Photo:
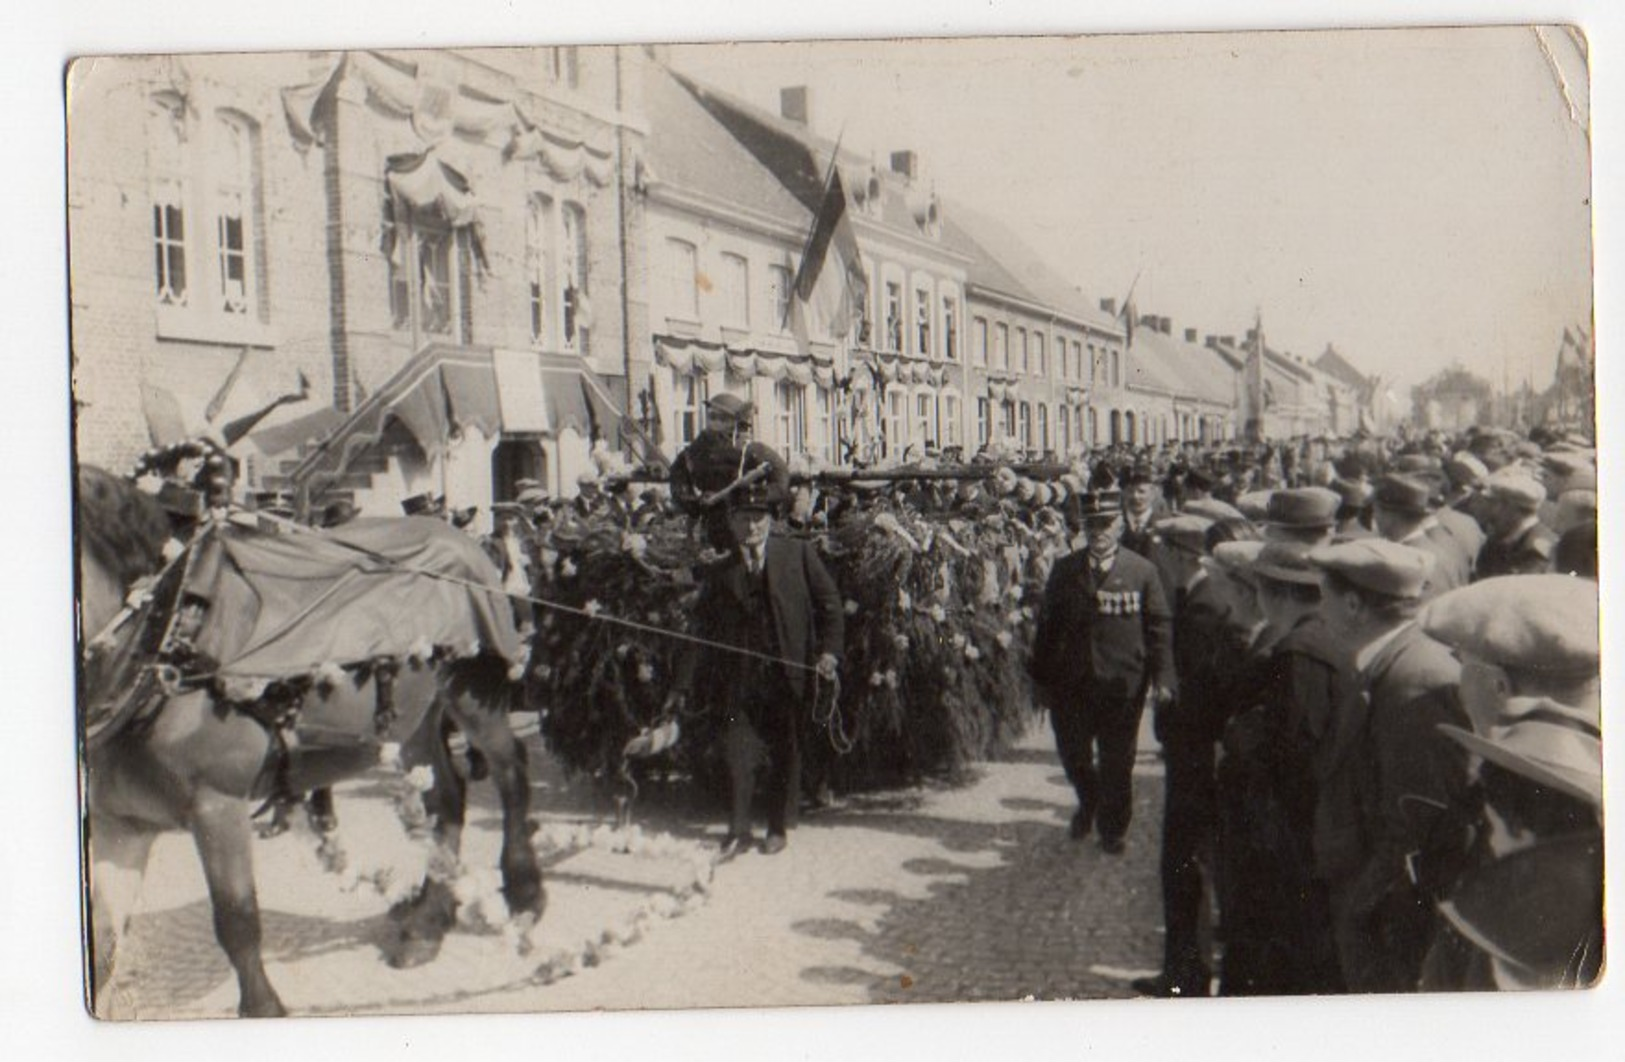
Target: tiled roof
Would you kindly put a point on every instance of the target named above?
(1187, 370)
(690, 149)
(1014, 268)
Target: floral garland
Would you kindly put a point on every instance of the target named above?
(481, 907)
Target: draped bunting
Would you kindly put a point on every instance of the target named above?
(685, 356)
(427, 95)
(426, 183)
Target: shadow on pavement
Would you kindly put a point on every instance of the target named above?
(1052, 919)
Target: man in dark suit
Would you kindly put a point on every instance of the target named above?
(1100, 653)
(773, 598)
(1518, 543)
(1387, 857)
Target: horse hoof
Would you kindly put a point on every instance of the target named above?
(407, 954)
(275, 828)
(323, 824)
(265, 1008)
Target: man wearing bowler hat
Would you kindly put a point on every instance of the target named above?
(1101, 651)
(1305, 515)
(772, 597)
(1398, 771)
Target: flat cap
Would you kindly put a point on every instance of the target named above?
(1404, 494)
(1137, 473)
(1377, 565)
(1516, 486)
(1234, 559)
(1305, 507)
(1521, 622)
(1355, 493)
(1212, 509)
(1464, 469)
(1411, 464)
(1286, 562)
(1185, 532)
(1255, 504)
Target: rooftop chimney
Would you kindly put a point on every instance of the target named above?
(1109, 306)
(1165, 325)
(795, 104)
(906, 163)
(1190, 335)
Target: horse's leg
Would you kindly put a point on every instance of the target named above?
(119, 851)
(422, 923)
(481, 714)
(222, 833)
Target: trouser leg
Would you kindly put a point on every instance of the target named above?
(1074, 744)
(1187, 828)
(1116, 733)
(741, 748)
(784, 772)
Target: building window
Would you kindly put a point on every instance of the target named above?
(577, 309)
(690, 391)
(894, 317)
(1117, 369)
(1020, 352)
(1040, 348)
(950, 329)
(950, 421)
(984, 415)
(1043, 426)
(1007, 419)
(778, 285)
(922, 322)
(682, 281)
(539, 264)
(1077, 360)
(1026, 426)
(1063, 429)
(169, 242)
(979, 341)
(1061, 366)
(789, 416)
(424, 272)
(925, 419)
(824, 426)
(1001, 347)
(896, 423)
(735, 285)
(206, 187)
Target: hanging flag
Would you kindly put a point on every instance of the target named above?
(830, 282)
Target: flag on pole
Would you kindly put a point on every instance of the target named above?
(830, 283)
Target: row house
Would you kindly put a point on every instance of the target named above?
(731, 194)
(1282, 396)
(1037, 347)
(1185, 391)
(429, 243)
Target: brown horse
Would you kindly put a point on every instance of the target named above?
(194, 762)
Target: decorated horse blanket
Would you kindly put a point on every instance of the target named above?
(282, 604)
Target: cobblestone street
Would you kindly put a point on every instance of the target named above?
(930, 894)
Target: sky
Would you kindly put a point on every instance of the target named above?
(1417, 198)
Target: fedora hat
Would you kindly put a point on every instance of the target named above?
(1543, 745)
(1305, 507)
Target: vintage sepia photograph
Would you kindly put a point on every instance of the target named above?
(638, 526)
